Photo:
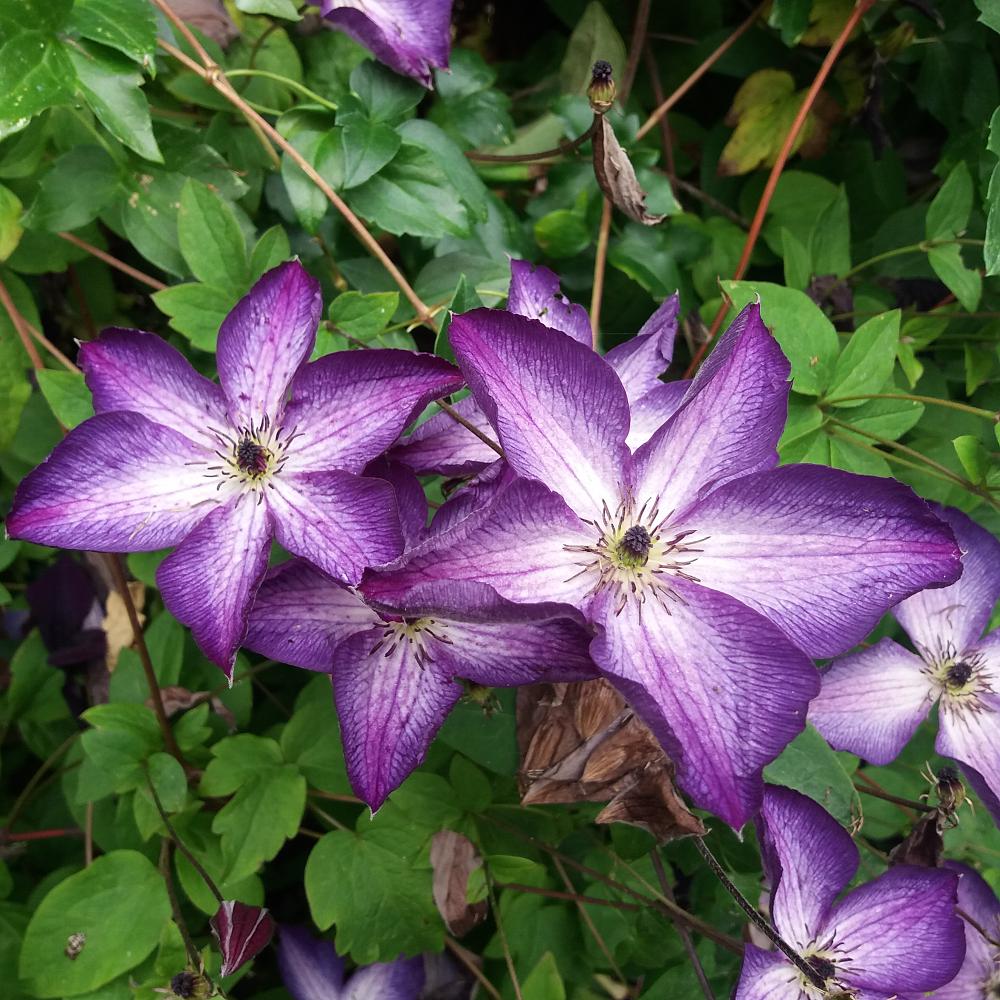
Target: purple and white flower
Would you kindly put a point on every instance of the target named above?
(311, 969)
(242, 931)
(171, 458)
(410, 36)
(897, 936)
(709, 573)
(395, 678)
(442, 446)
(872, 701)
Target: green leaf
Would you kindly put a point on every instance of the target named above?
(991, 250)
(798, 263)
(544, 981)
(948, 214)
(10, 222)
(111, 86)
(809, 766)
(964, 283)
(866, 363)
(806, 336)
(270, 250)
(980, 363)
(35, 691)
(463, 299)
(195, 310)
(273, 8)
(989, 13)
(126, 25)
(974, 457)
(791, 17)
(237, 759)
(595, 37)
(119, 904)
(363, 316)
(319, 758)
(15, 389)
(211, 240)
(68, 396)
(367, 148)
(319, 143)
(149, 217)
(121, 740)
(169, 781)
(35, 74)
(562, 233)
(75, 190)
(384, 95)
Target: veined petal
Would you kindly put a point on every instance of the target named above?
(534, 294)
(341, 522)
(766, 975)
(729, 422)
(399, 980)
(979, 901)
(516, 544)
(208, 583)
(954, 617)
(348, 407)
(872, 702)
(264, 340)
(899, 933)
(242, 932)
(720, 687)
(410, 36)
(116, 483)
(310, 968)
(442, 446)
(970, 733)
(541, 390)
(651, 411)
(822, 553)
(300, 616)
(642, 359)
(411, 500)
(810, 859)
(392, 697)
(473, 496)
(137, 371)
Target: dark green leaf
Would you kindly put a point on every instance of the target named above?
(948, 214)
(149, 217)
(595, 37)
(367, 148)
(195, 310)
(75, 190)
(67, 394)
(269, 251)
(965, 283)
(384, 96)
(211, 240)
(562, 233)
(10, 224)
(363, 316)
(126, 25)
(974, 457)
(791, 17)
(35, 74)
(121, 739)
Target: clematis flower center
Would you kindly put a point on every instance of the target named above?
(958, 674)
(419, 634)
(635, 556)
(251, 457)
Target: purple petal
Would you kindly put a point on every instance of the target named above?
(822, 553)
(310, 968)
(872, 702)
(954, 617)
(208, 583)
(399, 980)
(899, 933)
(411, 501)
(242, 931)
(810, 859)
(132, 370)
(348, 407)
(729, 422)
(300, 616)
(642, 359)
(516, 544)
(410, 36)
(341, 522)
(766, 975)
(978, 900)
(392, 696)
(534, 294)
(653, 410)
(264, 340)
(116, 483)
(541, 390)
(442, 446)
(721, 688)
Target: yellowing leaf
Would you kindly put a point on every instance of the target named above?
(826, 21)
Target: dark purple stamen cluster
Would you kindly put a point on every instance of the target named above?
(823, 968)
(636, 542)
(959, 673)
(602, 71)
(251, 457)
(184, 985)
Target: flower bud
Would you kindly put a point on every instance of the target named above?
(190, 986)
(601, 91)
(243, 931)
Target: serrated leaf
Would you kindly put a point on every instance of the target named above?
(196, 311)
(866, 363)
(75, 190)
(126, 25)
(121, 739)
(211, 240)
(363, 316)
(67, 395)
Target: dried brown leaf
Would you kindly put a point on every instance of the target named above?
(116, 625)
(454, 858)
(582, 743)
(178, 699)
(616, 175)
(209, 17)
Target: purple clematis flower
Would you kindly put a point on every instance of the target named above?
(442, 446)
(242, 932)
(979, 977)
(410, 36)
(219, 470)
(872, 702)
(708, 572)
(312, 970)
(394, 678)
(896, 937)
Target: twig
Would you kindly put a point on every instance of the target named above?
(564, 148)
(194, 959)
(472, 428)
(991, 415)
(503, 935)
(684, 933)
(713, 203)
(114, 262)
(466, 958)
(114, 564)
(573, 897)
(779, 165)
(666, 137)
(636, 45)
(600, 267)
(20, 325)
(88, 835)
(706, 65)
(871, 787)
(29, 835)
(756, 919)
(978, 926)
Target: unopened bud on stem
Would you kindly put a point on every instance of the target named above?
(601, 91)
